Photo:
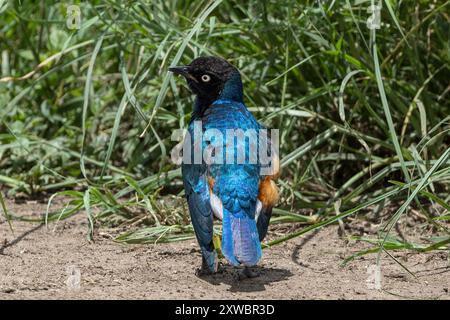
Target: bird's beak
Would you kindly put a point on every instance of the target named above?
(183, 71)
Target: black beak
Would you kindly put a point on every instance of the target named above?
(184, 71)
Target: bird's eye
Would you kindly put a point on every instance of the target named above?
(206, 78)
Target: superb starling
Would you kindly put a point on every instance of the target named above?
(235, 192)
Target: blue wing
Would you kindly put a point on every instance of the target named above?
(197, 195)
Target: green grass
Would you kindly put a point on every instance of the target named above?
(364, 114)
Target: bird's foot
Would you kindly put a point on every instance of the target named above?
(248, 273)
(201, 272)
(204, 270)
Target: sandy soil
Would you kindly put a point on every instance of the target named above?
(46, 263)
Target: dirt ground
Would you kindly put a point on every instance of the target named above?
(59, 263)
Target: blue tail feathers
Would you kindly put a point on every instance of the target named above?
(240, 239)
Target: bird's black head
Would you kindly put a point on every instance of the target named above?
(211, 78)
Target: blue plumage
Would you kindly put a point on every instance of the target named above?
(220, 107)
(236, 185)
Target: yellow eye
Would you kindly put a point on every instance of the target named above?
(206, 78)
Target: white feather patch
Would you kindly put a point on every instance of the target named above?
(216, 206)
(258, 209)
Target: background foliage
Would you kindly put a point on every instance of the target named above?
(87, 114)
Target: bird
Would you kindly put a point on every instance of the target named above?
(236, 193)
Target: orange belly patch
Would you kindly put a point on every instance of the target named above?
(268, 192)
(210, 183)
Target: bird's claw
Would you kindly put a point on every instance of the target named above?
(205, 271)
(201, 272)
(247, 273)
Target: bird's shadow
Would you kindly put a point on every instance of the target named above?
(230, 275)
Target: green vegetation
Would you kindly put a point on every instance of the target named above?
(87, 114)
